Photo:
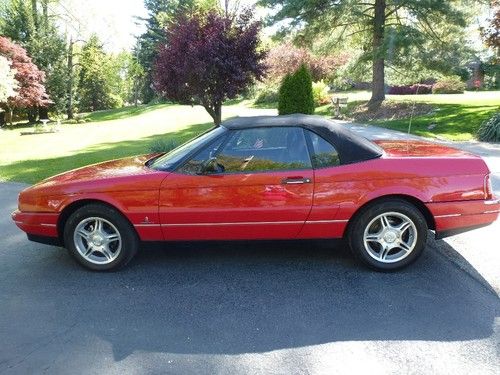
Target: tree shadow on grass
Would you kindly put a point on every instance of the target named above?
(124, 112)
(32, 171)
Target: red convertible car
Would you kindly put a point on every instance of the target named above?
(276, 177)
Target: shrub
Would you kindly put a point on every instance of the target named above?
(451, 85)
(163, 145)
(296, 94)
(417, 88)
(267, 95)
(115, 101)
(286, 58)
(489, 131)
(320, 93)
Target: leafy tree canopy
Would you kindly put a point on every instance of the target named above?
(390, 32)
(208, 59)
(8, 82)
(95, 87)
(160, 13)
(31, 92)
(28, 23)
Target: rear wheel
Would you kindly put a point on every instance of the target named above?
(100, 238)
(388, 235)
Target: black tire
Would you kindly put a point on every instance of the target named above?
(129, 241)
(369, 216)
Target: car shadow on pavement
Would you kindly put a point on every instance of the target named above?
(237, 297)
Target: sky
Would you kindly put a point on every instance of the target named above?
(114, 21)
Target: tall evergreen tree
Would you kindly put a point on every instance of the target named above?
(385, 26)
(94, 86)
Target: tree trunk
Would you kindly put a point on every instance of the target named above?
(215, 112)
(43, 113)
(218, 114)
(45, 13)
(32, 115)
(69, 109)
(2, 119)
(378, 81)
(10, 118)
(34, 13)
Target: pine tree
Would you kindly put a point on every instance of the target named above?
(382, 26)
(296, 93)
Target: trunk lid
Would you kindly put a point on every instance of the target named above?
(421, 149)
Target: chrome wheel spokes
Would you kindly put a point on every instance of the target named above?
(390, 237)
(97, 240)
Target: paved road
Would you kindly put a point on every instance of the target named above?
(272, 307)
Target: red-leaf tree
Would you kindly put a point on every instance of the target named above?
(31, 91)
(207, 59)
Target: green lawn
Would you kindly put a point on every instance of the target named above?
(134, 130)
(456, 117)
(112, 134)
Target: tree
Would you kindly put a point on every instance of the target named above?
(491, 33)
(27, 22)
(31, 92)
(94, 86)
(491, 36)
(286, 58)
(208, 59)
(8, 82)
(296, 93)
(160, 14)
(384, 26)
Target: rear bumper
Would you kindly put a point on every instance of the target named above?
(37, 224)
(457, 217)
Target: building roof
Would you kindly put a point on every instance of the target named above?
(351, 147)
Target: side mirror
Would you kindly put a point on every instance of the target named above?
(210, 166)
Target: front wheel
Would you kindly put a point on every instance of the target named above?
(100, 238)
(388, 235)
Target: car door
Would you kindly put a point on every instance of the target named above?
(329, 193)
(260, 186)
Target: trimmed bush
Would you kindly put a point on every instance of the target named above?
(266, 95)
(163, 145)
(296, 93)
(451, 85)
(489, 131)
(320, 93)
(417, 88)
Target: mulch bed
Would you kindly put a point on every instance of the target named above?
(390, 111)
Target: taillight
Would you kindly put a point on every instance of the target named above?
(488, 189)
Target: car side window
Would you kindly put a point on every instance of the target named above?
(265, 149)
(324, 154)
(194, 165)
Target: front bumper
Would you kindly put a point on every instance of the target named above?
(457, 217)
(37, 224)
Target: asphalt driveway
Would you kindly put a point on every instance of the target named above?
(230, 308)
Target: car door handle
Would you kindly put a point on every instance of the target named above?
(296, 180)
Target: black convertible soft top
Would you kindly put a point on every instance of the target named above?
(351, 147)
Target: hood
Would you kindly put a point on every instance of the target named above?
(115, 175)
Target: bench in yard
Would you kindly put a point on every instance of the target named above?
(337, 103)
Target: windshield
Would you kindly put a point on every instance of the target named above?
(171, 158)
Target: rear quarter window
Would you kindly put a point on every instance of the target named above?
(324, 154)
